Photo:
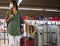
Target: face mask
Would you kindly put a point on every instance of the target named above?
(11, 5)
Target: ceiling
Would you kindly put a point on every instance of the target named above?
(52, 4)
(35, 3)
(41, 3)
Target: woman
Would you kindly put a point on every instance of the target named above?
(14, 20)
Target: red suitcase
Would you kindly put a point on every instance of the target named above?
(21, 42)
(26, 42)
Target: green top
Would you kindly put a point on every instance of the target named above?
(14, 24)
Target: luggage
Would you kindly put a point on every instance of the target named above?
(21, 42)
(26, 42)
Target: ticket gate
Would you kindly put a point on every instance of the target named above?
(48, 35)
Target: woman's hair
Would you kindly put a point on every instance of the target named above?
(14, 4)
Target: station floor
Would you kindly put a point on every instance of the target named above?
(4, 44)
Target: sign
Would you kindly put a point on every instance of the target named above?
(3, 25)
(26, 17)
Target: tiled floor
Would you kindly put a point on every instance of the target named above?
(2, 43)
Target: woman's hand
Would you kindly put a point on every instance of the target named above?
(10, 17)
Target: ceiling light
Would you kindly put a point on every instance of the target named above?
(34, 9)
(31, 9)
(19, 1)
(50, 10)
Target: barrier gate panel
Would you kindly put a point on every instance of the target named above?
(48, 34)
(3, 32)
